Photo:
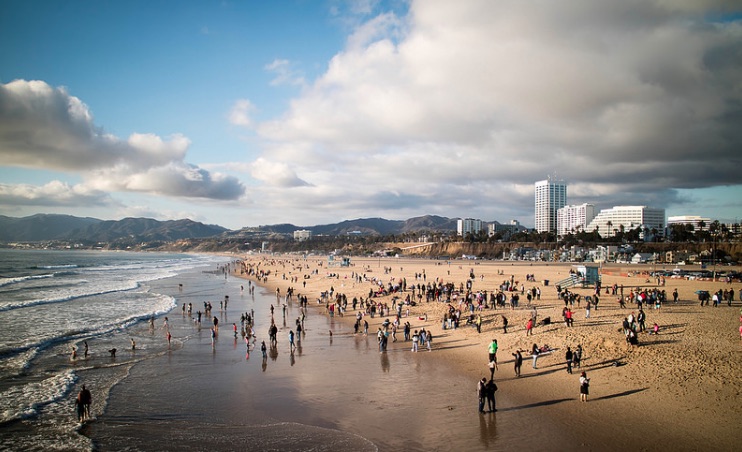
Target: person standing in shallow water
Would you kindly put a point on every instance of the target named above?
(83, 402)
(491, 387)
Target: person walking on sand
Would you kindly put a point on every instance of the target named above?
(492, 349)
(264, 349)
(534, 353)
(504, 325)
(568, 357)
(517, 362)
(584, 387)
(482, 393)
(529, 327)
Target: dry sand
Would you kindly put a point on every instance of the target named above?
(679, 389)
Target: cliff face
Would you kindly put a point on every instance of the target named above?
(458, 249)
(496, 250)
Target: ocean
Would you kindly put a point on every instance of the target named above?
(52, 302)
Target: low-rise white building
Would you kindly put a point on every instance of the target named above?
(302, 234)
(507, 229)
(699, 223)
(608, 221)
(573, 218)
(468, 225)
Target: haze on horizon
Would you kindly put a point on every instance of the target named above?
(254, 113)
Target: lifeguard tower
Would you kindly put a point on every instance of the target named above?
(583, 275)
(343, 262)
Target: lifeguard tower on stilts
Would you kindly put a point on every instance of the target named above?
(582, 275)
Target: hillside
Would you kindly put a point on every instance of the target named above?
(42, 227)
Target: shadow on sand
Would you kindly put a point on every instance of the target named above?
(536, 405)
(619, 394)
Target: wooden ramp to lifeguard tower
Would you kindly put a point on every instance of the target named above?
(583, 275)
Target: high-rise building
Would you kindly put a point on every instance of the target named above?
(550, 197)
(574, 218)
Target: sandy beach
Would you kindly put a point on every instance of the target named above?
(678, 389)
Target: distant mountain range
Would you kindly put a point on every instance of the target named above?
(368, 226)
(44, 227)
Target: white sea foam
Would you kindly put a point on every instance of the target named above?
(53, 267)
(13, 364)
(19, 279)
(24, 401)
(70, 293)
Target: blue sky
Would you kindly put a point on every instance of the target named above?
(311, 112)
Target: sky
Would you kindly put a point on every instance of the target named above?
(248, 113)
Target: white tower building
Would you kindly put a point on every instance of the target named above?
(550, 197)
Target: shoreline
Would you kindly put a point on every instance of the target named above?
(688, 372)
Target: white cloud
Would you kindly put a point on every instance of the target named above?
(275, 174)
(52, 194)
(175, 179)
(46, 128)
(465, 105)
(240, 113)
(285, 73)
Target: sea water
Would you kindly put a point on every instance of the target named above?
(53, 302)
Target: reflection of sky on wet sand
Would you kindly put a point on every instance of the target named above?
(397, 399)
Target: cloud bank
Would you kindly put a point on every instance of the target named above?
(459, 107)
(42, 127)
